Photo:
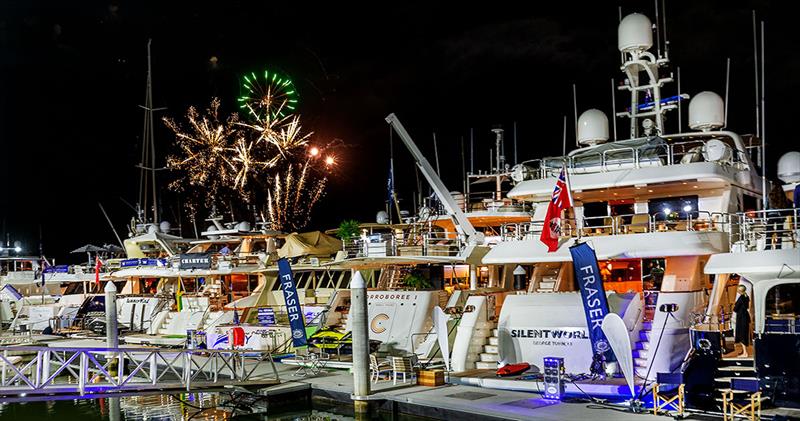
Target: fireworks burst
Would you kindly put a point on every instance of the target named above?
(271, 95)
(268, 157)
(205, 156)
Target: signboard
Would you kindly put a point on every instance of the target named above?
(126, 263)
(266, 316)
(593, 296)
(311, 313)
(57, 269)
(195, 261)
(292, 303)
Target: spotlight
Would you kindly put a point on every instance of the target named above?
(687, 208)
(667, 211)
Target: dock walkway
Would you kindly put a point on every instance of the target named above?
(450, 401)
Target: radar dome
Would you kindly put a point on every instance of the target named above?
(164, 226)
(592, 127)
(243, 226)
(716, 150)
(789, 167)
(634, 33)
(382, 217)
(706, 111)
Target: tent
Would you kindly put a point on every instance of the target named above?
(314, 243)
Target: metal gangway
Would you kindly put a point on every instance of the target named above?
(99, 371)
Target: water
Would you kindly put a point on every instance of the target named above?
(175, 407)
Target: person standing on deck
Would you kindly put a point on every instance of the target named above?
(742, 311)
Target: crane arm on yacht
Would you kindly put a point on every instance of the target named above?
(460, 220)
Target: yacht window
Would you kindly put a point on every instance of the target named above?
(595, 213)
(783, 301)
(663, 209)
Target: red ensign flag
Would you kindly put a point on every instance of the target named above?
(97, 264)
(561, 200)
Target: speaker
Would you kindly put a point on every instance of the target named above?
(553, 383)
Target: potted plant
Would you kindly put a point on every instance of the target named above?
(416, 281)
(348, 230)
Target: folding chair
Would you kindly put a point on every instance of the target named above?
(661, 401)
(378, 367)
(746, 406)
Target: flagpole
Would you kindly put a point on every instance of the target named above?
(565, 168)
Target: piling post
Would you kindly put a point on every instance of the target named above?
(112, 341)
(358, 317)
(473, 277)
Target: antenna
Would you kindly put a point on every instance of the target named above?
(658, 32)
(463, 166)
(515, 143)
(755, 64)
(727, 90)
(621, 54)
(564, 137)
(664, 24)
(680, 114)
(575, 111)
(614, 109)
(436, 154)
(110, 224)
(763, 124)
(471, 152)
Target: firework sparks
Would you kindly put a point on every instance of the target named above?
(271, 95)
(266, 161)
(205, 151)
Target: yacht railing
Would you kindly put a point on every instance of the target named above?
(405, 244)
(635, 223)
(766, 230)
(626, 157)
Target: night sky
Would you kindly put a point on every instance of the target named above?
(72, 77)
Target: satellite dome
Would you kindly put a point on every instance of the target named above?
(382, 217)
(243, 226)
(634, 33)
(164, 226)
(706, 111)
(716, 150)
(789, 167)
(592, 127)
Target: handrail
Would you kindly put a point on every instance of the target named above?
(673, 153)
(103, 370)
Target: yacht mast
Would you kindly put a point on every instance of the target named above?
(147, 182)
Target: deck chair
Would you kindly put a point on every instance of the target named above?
(401, 366)
(377, 368)
(743, 399)
(674, 398)
(640, 223)
(309, 362)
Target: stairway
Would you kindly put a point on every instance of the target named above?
(730, 368)
(546, 285)
(641, 352)
(164, 328)
(490, 354)
(391, 279)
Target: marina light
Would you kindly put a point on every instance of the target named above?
(17, 249)
(314, 151)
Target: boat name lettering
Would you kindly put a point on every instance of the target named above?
(392, 296)
(549, 333)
